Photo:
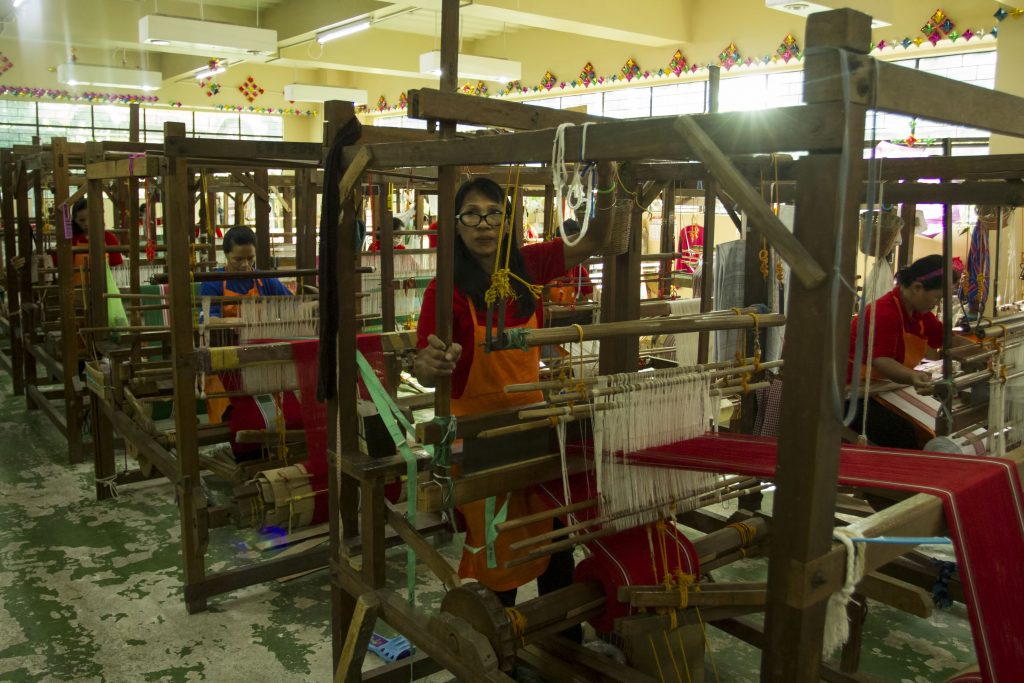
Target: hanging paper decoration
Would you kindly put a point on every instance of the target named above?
(630, 69)
(263, 110)
(67, 96)
(587, 75)
(549, 81)
(729, 57)
(403, 99)
(479, 89)
(937, 27)
(382, 103)
(211, 86)
(5, 64)
(250, 89)
(514, 87)
(678, 63)
(912, 139)
(788, 49)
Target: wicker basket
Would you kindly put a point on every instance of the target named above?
(618, 241)
(890, 225)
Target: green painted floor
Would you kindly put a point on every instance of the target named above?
(90, 591)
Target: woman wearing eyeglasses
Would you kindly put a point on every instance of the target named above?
(479, 378)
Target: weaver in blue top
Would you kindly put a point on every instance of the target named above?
(240, 251)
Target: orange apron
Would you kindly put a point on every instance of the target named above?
(216, 407)
(485, 392)
(915, 346)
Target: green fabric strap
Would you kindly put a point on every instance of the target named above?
(491, 521)
(388, 414)
(116, 315)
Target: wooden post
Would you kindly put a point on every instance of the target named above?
(95, 284)
(808, 452)
(942, 426)
(620, 296)
(239, 202)
(908, 212)
(707, 276)
(7, 168)
(67, 298)
(262, 204)
(343, 442)
(26, 323)
(667, 245)
(550, 229)
(38, 211)
(446, 179)
(386, 237)
(179, 227)
(133, 122)
(288, 219)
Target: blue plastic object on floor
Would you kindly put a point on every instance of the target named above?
(391, 649)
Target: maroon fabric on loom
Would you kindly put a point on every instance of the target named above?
(984, 506)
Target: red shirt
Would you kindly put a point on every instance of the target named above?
(892, 323)
(577, 277)
(113, 258)
(544, 262)
(432, 239)
(375, 246)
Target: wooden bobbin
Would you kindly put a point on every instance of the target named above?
(285, 496)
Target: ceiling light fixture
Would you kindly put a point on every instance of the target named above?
(75, 74)
(804, 9)
(207, 37)
(18, 3)
(472, 66)
(208, 71)
(302, 92)
(342, 31)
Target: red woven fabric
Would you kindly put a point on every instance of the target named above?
(984, 505)
(314, 419)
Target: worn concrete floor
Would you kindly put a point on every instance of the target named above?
(91, 591)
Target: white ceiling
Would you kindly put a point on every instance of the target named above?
(251, 5)
(428, 23)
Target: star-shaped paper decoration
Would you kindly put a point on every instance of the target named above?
(729, 57)
(630, 69)
(678, 63)
(587, 74)
(382, 103)
(403, 100)
(788, 49)
(549, 81)
(250, 89)
(1001, 14)
(5, 64)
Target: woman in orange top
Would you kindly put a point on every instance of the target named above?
(479, 378)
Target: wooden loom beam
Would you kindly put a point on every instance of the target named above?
(7, 166)
(808, 451)
(69, 338)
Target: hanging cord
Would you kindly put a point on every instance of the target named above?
(500, 288)
(862, 438)
(562, 176)
(838, 282)
(837, 623)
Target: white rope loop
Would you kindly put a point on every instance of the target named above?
(562, 176)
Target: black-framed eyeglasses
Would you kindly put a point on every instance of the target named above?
(472, 219)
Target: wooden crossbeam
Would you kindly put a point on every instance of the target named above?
(431, 104)
(815, 127)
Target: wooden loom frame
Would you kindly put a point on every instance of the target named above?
(805, 567)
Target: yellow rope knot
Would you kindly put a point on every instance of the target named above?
(517, 621)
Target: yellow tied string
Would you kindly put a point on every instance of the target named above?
(762, 256)
(517, 621)
(501, 279)
(581, 386)
(657, 660)
(746, 533)
(281, 426)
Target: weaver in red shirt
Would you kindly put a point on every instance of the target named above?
(906, 332)
(479, 378)
(80, 235)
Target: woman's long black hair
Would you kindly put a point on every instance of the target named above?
(473, 280)
(928, 270)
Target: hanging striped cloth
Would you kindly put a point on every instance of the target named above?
(977, 270)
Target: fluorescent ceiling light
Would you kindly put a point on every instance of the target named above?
(471, 66)
(804, 9)
(75, 74)
(342, 31)
(208, 71)
(207, 37)
(18, 3)
(301, 92)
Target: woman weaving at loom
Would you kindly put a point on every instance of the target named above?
(906, 331)
(483, 234)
